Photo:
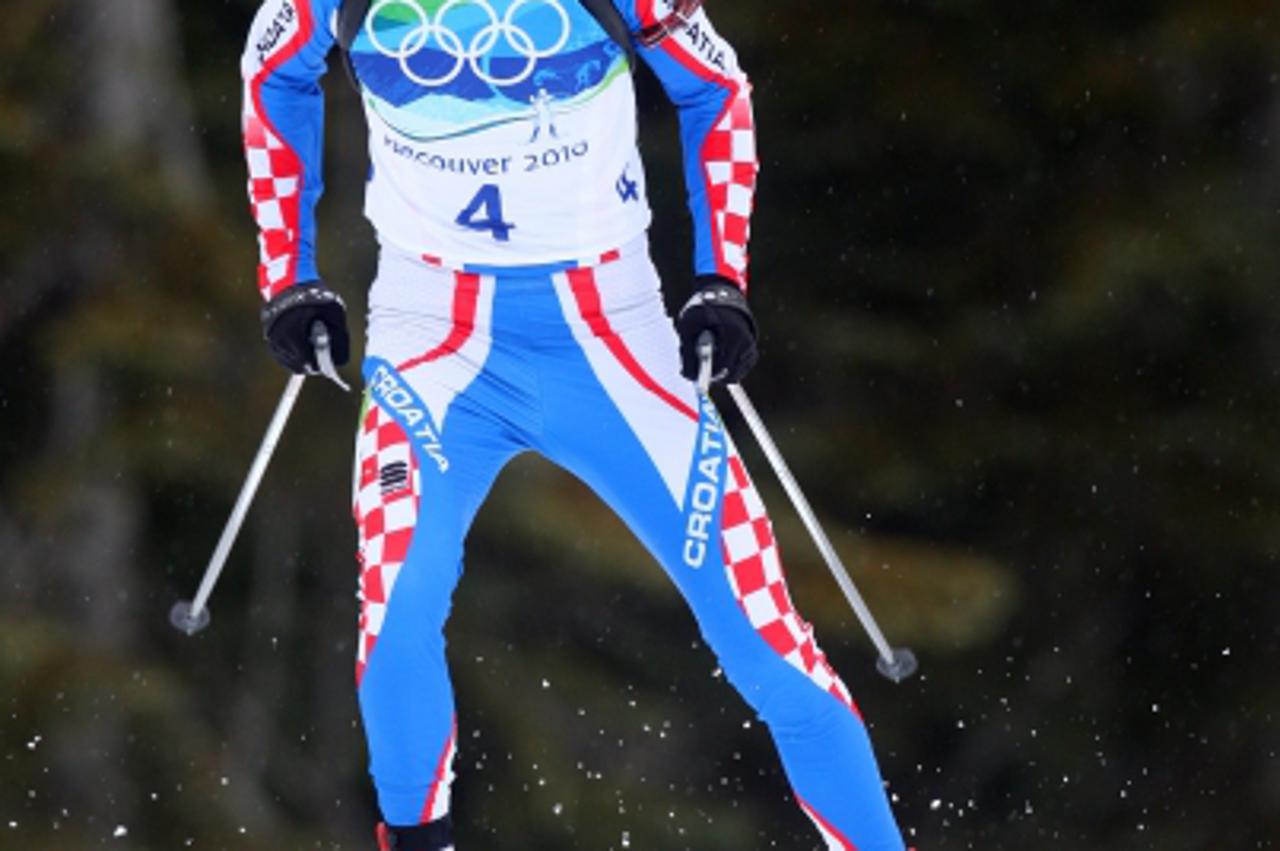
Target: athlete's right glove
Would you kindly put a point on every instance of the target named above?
(720, 307)
(287, 321)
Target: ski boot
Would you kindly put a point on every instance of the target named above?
(436, 836)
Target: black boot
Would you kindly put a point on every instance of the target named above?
(436, 836)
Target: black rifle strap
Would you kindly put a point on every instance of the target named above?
(352, 14)
(350, 18)
(608, 16)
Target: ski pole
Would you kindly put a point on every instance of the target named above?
(895, 663)
(193, 615)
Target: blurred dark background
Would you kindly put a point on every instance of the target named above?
(1016, 266)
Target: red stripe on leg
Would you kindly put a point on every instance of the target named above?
(466, 295)
(441, 776)
(587, 295)
(828, 830)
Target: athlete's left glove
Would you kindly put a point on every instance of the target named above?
(287, 321)
(720, 307)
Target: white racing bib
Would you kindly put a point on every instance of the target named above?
(500, 131)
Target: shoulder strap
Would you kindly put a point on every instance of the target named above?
(608, 16)
(350, 18)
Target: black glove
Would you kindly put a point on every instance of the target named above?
(287, 321)
(718, 306)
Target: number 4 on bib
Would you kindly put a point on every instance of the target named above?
(489, 200)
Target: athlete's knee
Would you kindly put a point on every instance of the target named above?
(803, 710)
(783, 692)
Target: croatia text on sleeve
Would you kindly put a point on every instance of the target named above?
(700, 73)
(283, 125)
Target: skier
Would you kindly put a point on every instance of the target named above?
(515, 307)
(544, 116)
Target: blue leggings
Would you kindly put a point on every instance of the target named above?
(578, 363)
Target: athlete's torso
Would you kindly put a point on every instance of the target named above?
(501, 131)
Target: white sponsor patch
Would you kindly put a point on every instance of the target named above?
(275, 25)
(391, 392)
(704, 495)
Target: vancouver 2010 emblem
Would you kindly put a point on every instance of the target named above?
(479, 51)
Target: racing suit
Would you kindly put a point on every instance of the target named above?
(515, 308)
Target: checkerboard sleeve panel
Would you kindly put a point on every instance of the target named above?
(731, 164)
(275, 179)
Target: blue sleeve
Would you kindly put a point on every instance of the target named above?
(283, 126)
(699, 71)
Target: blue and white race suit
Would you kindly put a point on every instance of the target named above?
(515, 308)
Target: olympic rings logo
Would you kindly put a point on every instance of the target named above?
(480, 47)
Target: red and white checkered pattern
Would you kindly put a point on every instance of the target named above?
(275, 182)
(729, 156)
(755, 574)
(386, 511)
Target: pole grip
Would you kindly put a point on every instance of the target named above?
(324, 355)
(706, 347)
